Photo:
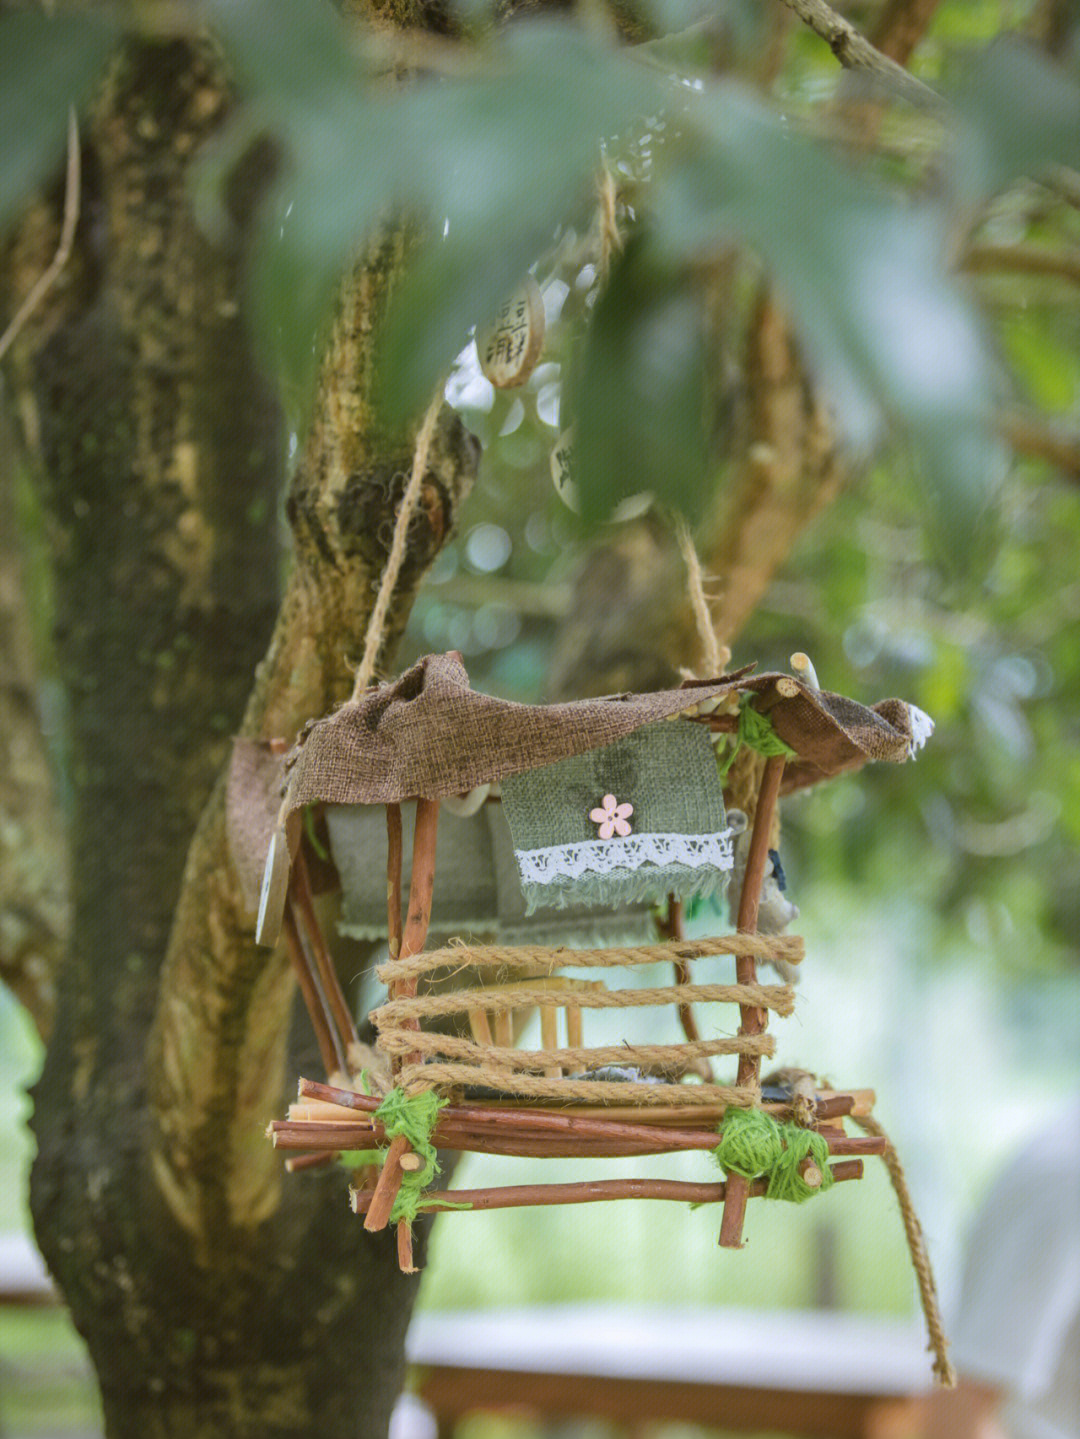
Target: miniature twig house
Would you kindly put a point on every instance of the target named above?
(614, 802)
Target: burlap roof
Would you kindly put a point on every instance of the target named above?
(428, 735)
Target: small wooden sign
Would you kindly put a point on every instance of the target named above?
(562, 477)
(275, 885)
(562, 470)
(509, 349)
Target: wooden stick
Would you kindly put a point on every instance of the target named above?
(404, 1248)
(592, 1191)
(504, 1029)
(575, 1036)
(549, 1038)
(320, 1020)
(385, 1191)
(753, 1020)
(393, 901)
(830, 1104)
(297, 1162)
(393, 879)
(571, 1139)
(422, 887)
(421, 891)
(672, 927)
(300, 885)
(479, 1026)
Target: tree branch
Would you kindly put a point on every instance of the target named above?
(34, 879)
(855, 52)
(218, 1043)
(789, 470)
(1033, 434)
(1063, 264)
(900, 27)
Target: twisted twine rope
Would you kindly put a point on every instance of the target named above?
(943, 1369)
(405, 1041)
(417, 1077)
(716, 655)
(778, 997)
(376, 629)
(535, 957)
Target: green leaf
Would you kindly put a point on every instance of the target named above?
(496, 164)
(1019, 116)
(890, 332)
(302, 82)
(47, 64)
(638, 406)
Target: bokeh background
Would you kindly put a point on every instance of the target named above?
(940, 900)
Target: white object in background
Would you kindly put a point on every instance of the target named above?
(922, 727)
(412, 1419)
(509, 348)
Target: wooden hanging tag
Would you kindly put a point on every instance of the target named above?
(562, 470)
(275, 880)
(562, 477)
(509, 348)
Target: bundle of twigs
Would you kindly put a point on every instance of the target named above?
(327, 1120)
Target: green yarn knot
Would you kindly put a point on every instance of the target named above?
(414, 1116)
(785, 1181)
(756, 732)
(753, 1144)
(750, 1144)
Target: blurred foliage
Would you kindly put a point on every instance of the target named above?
(728, 171)
(44, 68)
(490, 154)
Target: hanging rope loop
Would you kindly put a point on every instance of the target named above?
(376, 629)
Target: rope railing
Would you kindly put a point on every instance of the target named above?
(533, 957)
(406, 1041)
(395, 1012)
(415, 1078)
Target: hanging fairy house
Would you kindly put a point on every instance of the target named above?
(610, 806)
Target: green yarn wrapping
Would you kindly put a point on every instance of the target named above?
(415, 1117)
(753, 1144)
(785, 1181)
(750, 1144)
(757, 733)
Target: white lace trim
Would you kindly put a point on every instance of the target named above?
(601, 856)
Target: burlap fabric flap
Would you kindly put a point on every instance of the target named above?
(252, 800)
(428, 735)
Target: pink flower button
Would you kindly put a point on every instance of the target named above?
(611, 817)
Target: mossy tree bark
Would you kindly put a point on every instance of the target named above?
(214, 1299)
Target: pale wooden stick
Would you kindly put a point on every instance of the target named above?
(575, 1036)
(549, 1038)
(479, 1027)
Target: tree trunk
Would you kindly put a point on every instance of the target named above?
(215, 1299)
